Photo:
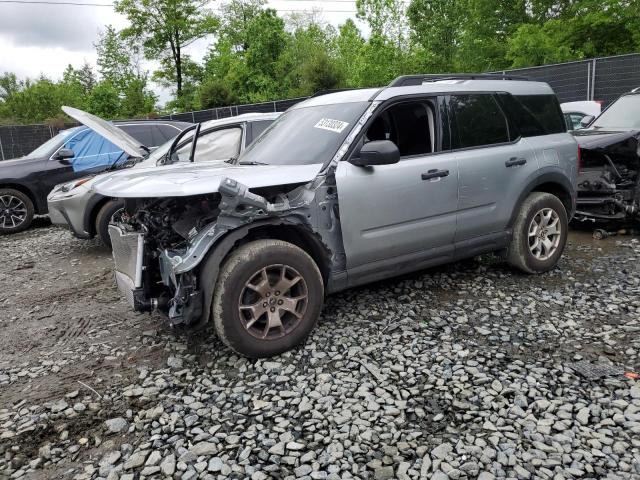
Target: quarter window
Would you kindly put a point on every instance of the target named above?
(534, 115)
(477, 120)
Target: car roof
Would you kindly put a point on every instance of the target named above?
(444, 86)
(245, 117)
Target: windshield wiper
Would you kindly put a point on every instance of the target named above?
(251, 163)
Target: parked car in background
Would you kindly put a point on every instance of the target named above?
(87, 213)
(609, 181)
(76, 152)
(345, 189)
(576, 112)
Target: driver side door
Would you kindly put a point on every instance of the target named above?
(401, 217)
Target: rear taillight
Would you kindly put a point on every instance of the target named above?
(579, 158)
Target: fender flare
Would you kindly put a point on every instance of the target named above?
(217, 251)
(549, 177)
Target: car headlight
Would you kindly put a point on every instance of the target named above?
(67, 187)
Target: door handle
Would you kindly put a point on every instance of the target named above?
(435, 174)
(515, 161)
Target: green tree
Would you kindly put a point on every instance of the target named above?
(119, 67)
(104, 100)
(165, 28)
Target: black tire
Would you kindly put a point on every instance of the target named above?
(232, 289)
(19, 203)
(520, 253)
(103, 219)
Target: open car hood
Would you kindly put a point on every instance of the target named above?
(182, 180)
(622, 143)
(118, 137)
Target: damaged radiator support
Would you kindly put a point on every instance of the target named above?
(609, 180)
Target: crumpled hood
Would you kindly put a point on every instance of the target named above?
(182, 180)
(621, 143)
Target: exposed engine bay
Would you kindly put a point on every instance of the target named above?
(176, 233)
(609, 180)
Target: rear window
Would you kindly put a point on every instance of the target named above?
(477, 120)
(534, 115)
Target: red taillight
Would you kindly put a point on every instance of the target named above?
(579, 158)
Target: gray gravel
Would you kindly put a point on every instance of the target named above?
(463, 372)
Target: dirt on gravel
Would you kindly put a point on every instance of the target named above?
(65, 331)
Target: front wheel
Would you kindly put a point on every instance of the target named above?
(103, 219)
(16, 211)
(267, 299)
(539, 234)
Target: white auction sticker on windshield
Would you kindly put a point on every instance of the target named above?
(336, 126)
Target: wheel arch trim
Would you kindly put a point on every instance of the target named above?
(550, 182)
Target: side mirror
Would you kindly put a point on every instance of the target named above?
(377, 152)
(64, 156)
(586, 121)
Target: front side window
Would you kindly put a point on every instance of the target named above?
(305, 135)
(410, 125)
(476, 121)
(624, 113)
(92, 151)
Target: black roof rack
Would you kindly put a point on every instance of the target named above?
(408, 80)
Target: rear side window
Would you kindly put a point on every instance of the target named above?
(168, 131)
(534, 115)
(477, 120)
(142, 133)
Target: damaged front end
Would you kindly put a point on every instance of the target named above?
(609, 179)
(160, 245)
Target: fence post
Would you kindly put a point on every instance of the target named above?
(593, 79)
(193, 118)
(275, 109)
(1, 149)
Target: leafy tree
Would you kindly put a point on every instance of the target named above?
(165, 28)
(214, 93)
(119, 66)
(104, 100)
(84, 77)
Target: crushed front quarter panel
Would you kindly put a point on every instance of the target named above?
(609, 179)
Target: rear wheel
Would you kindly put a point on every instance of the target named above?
(16, 211)
(539, 234)
(267, 299)
(103, 219)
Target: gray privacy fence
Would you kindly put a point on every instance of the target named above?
(604, 79)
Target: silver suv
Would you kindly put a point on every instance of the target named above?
(344, 189)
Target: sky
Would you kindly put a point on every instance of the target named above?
(43, 39)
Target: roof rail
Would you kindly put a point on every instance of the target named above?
(408, 80)
(319, 93)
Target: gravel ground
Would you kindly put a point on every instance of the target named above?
(466, 371)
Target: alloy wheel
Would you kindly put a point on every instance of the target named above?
(544, 233)
(13, 211)
(273, 302)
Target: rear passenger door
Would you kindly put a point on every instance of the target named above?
(493, 160)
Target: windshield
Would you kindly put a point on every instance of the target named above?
(49, 146)
(304, 136)
(624, 113)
